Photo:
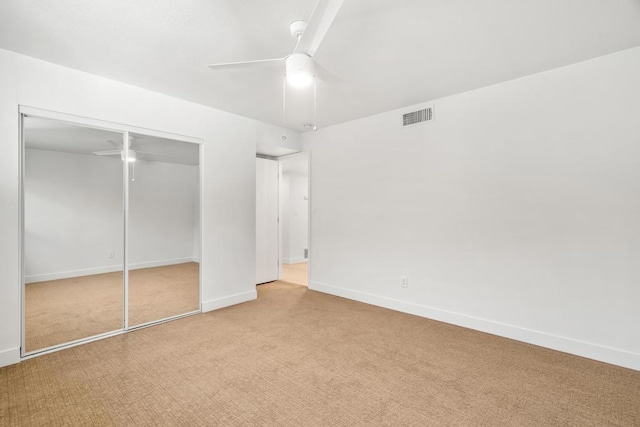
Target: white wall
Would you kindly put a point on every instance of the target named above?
(228, 163)
(295, 226)
(275, 141)
(515, 212)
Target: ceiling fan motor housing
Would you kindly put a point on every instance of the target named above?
(299, 69)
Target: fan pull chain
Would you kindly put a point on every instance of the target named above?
(315, 102)
(133, 172)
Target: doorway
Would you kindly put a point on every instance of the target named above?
(294, 218)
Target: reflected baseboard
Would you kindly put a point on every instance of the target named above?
(106, 269)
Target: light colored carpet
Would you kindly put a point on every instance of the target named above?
(298, 357)
(295, 273)
(64, 310)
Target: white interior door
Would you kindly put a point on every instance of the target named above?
(267, 262)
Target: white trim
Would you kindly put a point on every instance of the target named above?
(201, 215)
(21, 239)
(227, 301)
(9, 357)
(107, 269)
(125, 231)
(281, 159)
(568, 345)
(25, 111)
(293, 260)
(200, 227)
(280, 212)
(310, 206)
(163, 320)
(103, 124)
(69, 344)
(292, 156)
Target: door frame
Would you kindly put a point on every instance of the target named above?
(263, 214)
(281, 161)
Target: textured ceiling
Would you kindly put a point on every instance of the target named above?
(380, 54)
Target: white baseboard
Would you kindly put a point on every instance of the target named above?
(293, 260)
(218, 303)
(9, 357)
(568, 345)
(107, 269)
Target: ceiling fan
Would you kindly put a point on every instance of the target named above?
(299, 66)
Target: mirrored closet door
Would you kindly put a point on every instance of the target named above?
(111, 231)
(164, 229)
(73, 246)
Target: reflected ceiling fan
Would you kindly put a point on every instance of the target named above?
(300, 68)
(132, 154)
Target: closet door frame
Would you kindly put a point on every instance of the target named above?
(29, 111)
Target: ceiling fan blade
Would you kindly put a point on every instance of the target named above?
(244, 64)
(108, 153)
(318, 25)
(154, 153)
(324, 74)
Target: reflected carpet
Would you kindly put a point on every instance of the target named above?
(60, 311)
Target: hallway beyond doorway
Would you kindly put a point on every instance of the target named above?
(295, 273)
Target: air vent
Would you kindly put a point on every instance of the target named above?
(415, 117)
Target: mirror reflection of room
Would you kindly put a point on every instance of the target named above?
(73, 233)
(164, 229)
(75, 244)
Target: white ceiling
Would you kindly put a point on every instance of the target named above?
(53, 135)
(383, 54)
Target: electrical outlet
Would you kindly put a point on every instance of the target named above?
(404, 281)
(110, 254)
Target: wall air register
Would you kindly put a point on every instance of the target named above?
(416, 117)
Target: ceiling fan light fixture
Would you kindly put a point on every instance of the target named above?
(299, 69)
(131, 156)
